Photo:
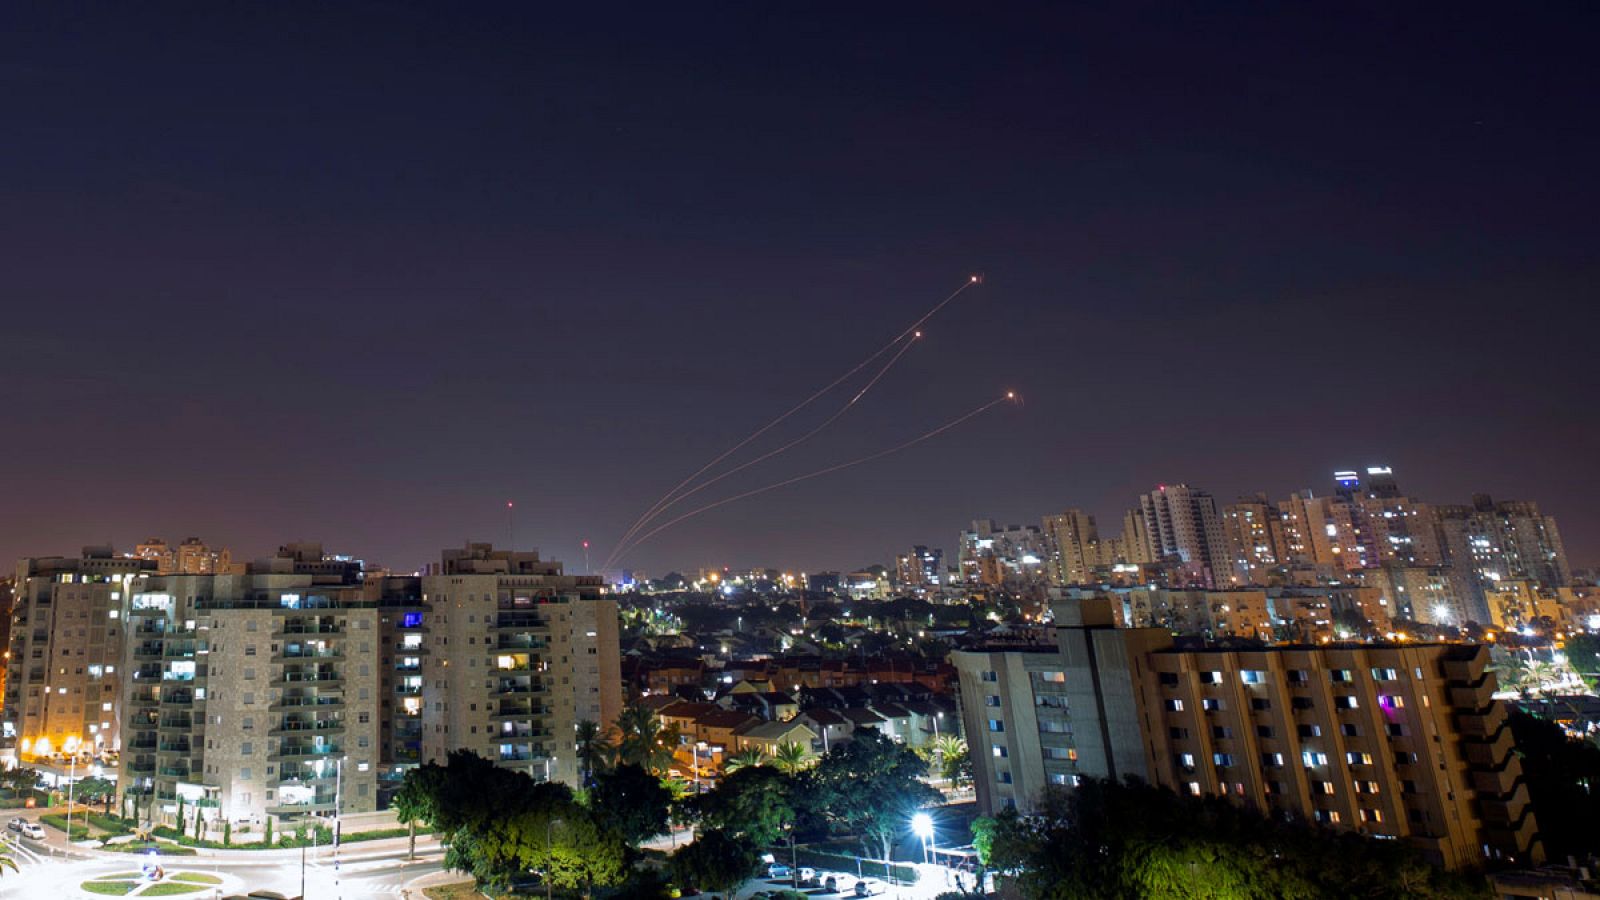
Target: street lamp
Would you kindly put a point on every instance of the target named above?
(72, 775)
(922, 827)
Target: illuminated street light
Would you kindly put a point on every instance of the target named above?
(922, 827)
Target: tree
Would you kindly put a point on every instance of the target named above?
(955, 764)
(749, 757)
(1109, 840)
(19, 779)
(753, 804)
(714, 862)
(1583, 654)
(1563, 776)
(594, 750)
(632, 802)
(498, 823)
(870, 786)
(644, 742)
(791, 758)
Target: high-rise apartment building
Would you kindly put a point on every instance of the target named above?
(305, 685)
(1183, 524)
(1254, 532)
(995, 555)
(1400, 741)
(518, 653)
(191, 557)
(65, 674)
(1074, 547)
(1491, 541)
(921, 567)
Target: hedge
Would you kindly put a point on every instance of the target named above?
(58, 821)
(838, 862)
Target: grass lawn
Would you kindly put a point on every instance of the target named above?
(197, 878)
(113, 888)
(169, 888)
(461, 890)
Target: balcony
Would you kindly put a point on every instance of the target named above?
(330, 678)
(334, 702)
(177, 723)
(521, 620)
(147, 650)
(175, 771)
(291, 628)
(323, 726)
(310, 751)
(175, 747)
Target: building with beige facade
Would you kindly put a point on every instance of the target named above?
(518, 653)
(65, 672)
(1401, 741)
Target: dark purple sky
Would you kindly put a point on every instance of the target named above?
(363, 271)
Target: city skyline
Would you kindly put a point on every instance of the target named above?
(373, 284)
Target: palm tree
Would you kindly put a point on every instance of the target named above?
(749, 757)
(594, 749)
(6, 862)
(791, 758)
(952, 753)
(643, 741)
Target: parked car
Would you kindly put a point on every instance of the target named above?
(868, 887)
(778, 870)
(32, 830)
(17, 823)
(838, 882)
(807, 874)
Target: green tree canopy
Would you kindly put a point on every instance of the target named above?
(632, 802)
(1109, 840)
(498, 823)
(753, 804)
(714, 862)
(870, 787)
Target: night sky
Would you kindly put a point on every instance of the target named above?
(363, 272)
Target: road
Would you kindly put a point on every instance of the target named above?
(375, 870)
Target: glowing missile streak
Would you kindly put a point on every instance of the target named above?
(915, 336)
(1010, 396)
(668, 496)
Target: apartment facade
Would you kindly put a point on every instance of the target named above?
(518, 653)
(65, 672)
(1400, 741)
(303, 685)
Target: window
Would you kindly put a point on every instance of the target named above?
(999, 752)
(996, 725)
(1346, 703)
(1186, 761)
(991, 700)
(1339, 676)
(1260, 704)
(1371, 815)
(1168, 679)
(1272, 760)
(1396, 729)
(1178, 734)
(1005, 777)
(1309, 731)
(1358, 759)
(1174, 705)
(1264, 731)
(1350, 729)
(1054, 726)
(1211, 704)
(1384, 675)
(1053, 677)
(1221, 731)
(1298, 676)
(1324, 787)
(1253, 676)
(1210, 677)
(1301, 703)
(1194, 788)
(990, 677)
(1312, 758)
(246, 748)
(1066, 753)
(1222, 759)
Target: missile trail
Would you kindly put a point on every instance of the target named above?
(871, 457)
(655, 507)
(622, 547)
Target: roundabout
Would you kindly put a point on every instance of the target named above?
(158, 883)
